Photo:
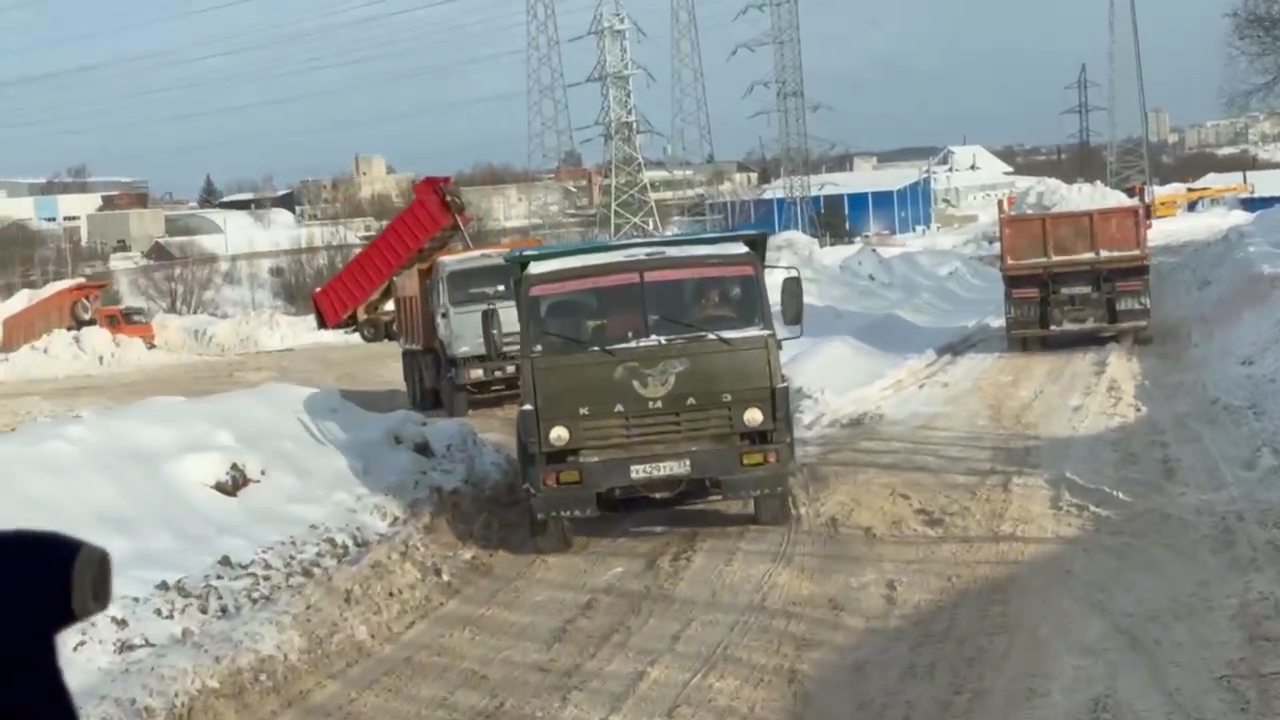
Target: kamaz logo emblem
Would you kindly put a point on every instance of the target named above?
(652, 383)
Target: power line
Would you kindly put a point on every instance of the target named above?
(1128, 156)
(321, 61)
(550, 130)
(1083, 111)
(631, 211)
(789, 111)
(690, 117)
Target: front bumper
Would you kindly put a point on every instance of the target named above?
(714, 473)
(489, 373)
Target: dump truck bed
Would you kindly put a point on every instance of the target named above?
(433, 212)
(50, 312)
(1036, 242)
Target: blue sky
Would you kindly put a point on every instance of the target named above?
(238, 88)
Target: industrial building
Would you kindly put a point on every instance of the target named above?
(890, 201)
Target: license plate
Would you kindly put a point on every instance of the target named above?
(671, 468)
(1077, 290)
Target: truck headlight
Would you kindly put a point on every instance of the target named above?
(753, 417)
(558, 436)
(475, 374)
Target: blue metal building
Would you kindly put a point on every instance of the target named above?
(891, 201)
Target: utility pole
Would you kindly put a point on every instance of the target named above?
(789, 110)
(1083, 111)
(631, 211)
(1128, 144)
(690, 118)
(550, 131)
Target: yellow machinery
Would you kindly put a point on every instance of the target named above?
(1170, 204)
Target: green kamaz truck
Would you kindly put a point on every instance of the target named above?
(651, 369)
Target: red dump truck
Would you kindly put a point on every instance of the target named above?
(1085, 272)
(71, 306)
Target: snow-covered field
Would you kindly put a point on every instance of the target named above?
(224, 512)
(219, 511)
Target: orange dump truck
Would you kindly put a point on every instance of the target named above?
(1077, 272)
(72, 306)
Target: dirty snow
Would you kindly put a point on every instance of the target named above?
(869, 314)
(179, 339)
(197, 568)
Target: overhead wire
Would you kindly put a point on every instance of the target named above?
(365, 119)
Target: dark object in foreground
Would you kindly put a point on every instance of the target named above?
(53, 581)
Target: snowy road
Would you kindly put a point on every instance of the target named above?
(1040, 548)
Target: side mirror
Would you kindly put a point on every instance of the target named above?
(792, 301)
(491, 327)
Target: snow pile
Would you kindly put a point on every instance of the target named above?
(218, 512)
(1196, 226)
(243, 232)
(870, 315)
(83, 352)
(179, 339)
(1050, 195)
(262, 331)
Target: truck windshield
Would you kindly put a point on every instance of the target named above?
(133, 316)
(485, 284)
(568, 315)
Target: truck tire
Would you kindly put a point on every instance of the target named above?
(772, 509)
(453, 398)
(82, 312)
(550, 536)
(418, 385)
(1013, 344)
(371, 330)
(389, 330)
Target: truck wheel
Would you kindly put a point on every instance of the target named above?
(371, 330)
(772, 509)
(453, 398)
(82, 312)
(1013, 344)
(390, 332)
(550, 536)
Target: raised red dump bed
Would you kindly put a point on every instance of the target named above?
(434, 210)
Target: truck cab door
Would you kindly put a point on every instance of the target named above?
(440, 313)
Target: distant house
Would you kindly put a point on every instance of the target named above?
(283, 199)
(179, 249)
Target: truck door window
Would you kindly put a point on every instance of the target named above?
(716, 298)
(113, 321)
(572, 314)
(485, 284)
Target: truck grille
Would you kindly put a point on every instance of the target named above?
(657, 428)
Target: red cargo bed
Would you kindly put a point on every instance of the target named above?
(381, 260)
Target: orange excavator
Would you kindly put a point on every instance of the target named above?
(426, 267)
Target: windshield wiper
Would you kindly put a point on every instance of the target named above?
(581, 343)
(698, 328)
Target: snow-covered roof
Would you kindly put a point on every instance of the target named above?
(635, 253)
(970, 157)
(943, 178)
(472, 258)
(240, 197)
(851, 183)
(1266, 183)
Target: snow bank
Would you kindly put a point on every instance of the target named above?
(1050, 195)
(179, 339)
(868, 314)
(217, 511)
(262, 331)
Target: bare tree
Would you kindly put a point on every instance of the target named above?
(20, 247)
(236, 186)
(1253, 51)
(180, 287)
(298, 276)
